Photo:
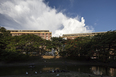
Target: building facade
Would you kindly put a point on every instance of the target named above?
(73, 36)
(45, 34)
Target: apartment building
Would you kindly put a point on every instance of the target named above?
(45, 34)
(73, 36)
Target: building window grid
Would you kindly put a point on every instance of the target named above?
(43, 35)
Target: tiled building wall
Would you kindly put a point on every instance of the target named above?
(73, 36)
(46, 35)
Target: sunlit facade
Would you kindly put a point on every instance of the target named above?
(45, 34)
(73, 36)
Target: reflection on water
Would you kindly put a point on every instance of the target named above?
(20, 70)
(105, 71)
(49, 68)
(96, 70)
(112, 71)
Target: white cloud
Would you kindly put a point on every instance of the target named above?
(35, 14)
(72, 25)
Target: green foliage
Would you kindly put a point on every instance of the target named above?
(102, 46)
(58, 44)
(13, 47)
(77, 48)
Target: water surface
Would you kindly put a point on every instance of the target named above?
(21, 70)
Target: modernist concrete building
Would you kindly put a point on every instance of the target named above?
(45, 34)
(73, 36)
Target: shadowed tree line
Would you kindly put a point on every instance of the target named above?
(16, 48)
(101, 47)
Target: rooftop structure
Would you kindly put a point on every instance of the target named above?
(28, 30)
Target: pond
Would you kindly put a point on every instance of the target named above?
(21, 70)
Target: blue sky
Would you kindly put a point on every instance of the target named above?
(100, 14)
(59, 16)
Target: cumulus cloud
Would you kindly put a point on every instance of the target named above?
(72, 25)
(36, 15)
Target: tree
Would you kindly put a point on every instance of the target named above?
(4, 41)
(57, 43)
(104, 44)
